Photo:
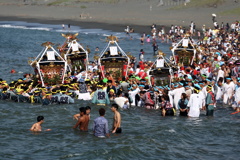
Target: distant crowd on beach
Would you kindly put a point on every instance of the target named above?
(204, 85)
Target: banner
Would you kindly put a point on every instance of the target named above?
(102, 71)
(160, 63)
(113, 50)
(185, 43)
(124, 70)
(50, 55)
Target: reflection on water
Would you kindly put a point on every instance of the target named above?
(146, 135)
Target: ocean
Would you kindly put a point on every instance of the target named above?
(146, 134)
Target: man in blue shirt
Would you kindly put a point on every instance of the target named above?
(100, 125)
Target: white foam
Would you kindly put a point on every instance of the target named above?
(58, 28)
(24, 27)
(171, 131)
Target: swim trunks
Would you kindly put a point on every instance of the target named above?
(118, 130)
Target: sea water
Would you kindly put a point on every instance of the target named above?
(146, 135)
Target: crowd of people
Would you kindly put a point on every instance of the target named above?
(214, 80)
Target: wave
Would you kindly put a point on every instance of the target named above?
(24, 27)
(58, 28)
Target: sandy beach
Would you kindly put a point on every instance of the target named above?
(138, 14)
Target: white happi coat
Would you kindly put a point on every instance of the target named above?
(120, 101)
(194, 104)
(202, 97)
(176, 93)
(170, 98)
(132, 94)
(220, 74)
(219, 92)
(237, 96)
(228, 90)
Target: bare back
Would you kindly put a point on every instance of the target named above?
(83, 123)
(116, 120)
(36, 127)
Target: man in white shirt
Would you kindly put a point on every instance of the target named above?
(135, 90)
(220, 73)
(176, 93)
(121, 101)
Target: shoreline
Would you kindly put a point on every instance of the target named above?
(83, 24)
(116, 17)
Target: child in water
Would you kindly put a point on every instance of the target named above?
(36, 127)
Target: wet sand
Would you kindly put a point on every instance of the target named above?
(138, 14)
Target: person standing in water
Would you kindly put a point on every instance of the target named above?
(36, 127)
(100, 125)
(77, 116)
(210, 101)
(116, 128)
(194, 103)
(182, 105)
(100, 97)
(83, 120)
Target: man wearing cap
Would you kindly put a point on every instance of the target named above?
(209, 82)
(228, 91)
(210, 101)
(194, 103)
(176, 93)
